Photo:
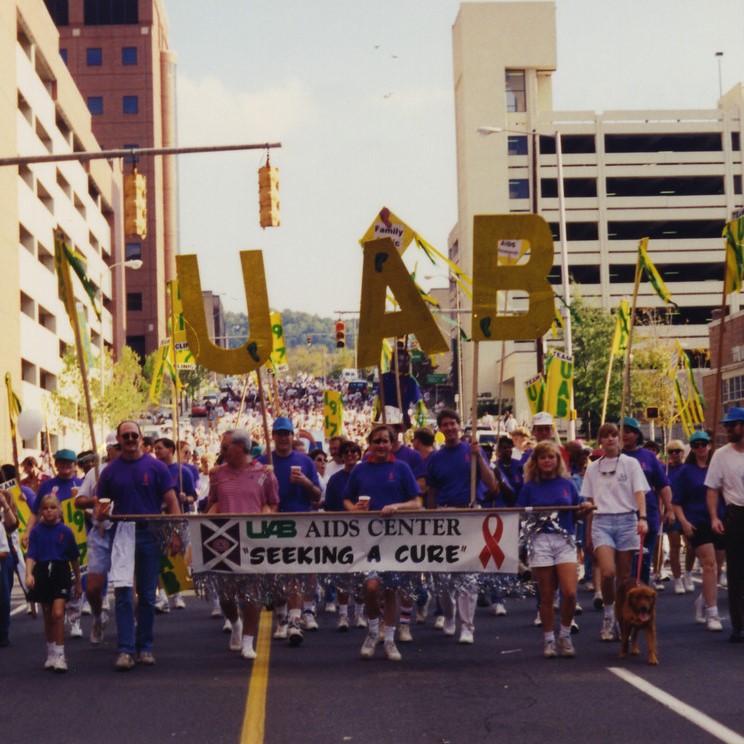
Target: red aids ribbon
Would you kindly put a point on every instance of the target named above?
(492, 549)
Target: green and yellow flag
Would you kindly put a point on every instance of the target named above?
(622, 328)
(734, 234)
(14, 404)
(646, 265)
(558, 385)
(66, 258)
(333, 414)
(279, 349)
(535, 389)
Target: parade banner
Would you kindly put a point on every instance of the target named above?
(472, 541)
(558, 385)
(75, 520)
(279, 348)
(20, 501)
(333, 414)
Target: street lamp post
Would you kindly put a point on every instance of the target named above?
(566, 288)
(132, 263)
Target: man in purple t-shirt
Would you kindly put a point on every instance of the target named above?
(135, 483)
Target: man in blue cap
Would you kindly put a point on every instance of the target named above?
(660, 489)
(726, 476)
(299, 491)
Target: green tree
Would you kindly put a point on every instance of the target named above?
(123, 396)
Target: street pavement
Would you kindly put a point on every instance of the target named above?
(500, 689)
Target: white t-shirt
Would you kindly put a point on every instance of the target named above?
(726, 471)
(612, 483)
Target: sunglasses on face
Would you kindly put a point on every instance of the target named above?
(130, 436)
(676, 451)
(698, 444)
(320, 459)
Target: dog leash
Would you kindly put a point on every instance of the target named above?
(639, 562)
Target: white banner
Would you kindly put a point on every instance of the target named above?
(471, 541)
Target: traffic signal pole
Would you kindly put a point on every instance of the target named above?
(133, 152)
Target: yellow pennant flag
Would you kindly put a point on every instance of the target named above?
(156, 384)
(14, 404)
(535, 389)
(734, 235)
(647, 266)
(622, 328)
(559, 385)
(388, 225)
(184, 359)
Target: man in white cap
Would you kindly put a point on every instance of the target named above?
(542, 431)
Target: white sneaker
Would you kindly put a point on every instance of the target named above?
(282, 630)
(566, 647)
(391, 652)
(466, 635)
(360, 621)
(248, 652)
(227, 626)
(578, 609)
(308, 620)
(537, 622)
(498, 609)
(688, 582)
(439, 622)
(404, 634)
(700, 610)
(723, 580)
(449, 626)
(369, 646)
(714, 623)
(236, 635)
(75, 631)
(60, 663)
(342, 624)
(294, 633)
(86, 607)
(49, 663)
(549, 651)
(608, 629)
(679, 586)
(179, 604)
(162, 605)
(330, 608)
(216, 609)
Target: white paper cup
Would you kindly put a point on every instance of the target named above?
(296, 469)
(364, 500)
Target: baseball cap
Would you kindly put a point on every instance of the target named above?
(733, 415)
(543, 418)
(699, 436)
(111, 439)
(65, 454)
(283, 424)
(630, 423)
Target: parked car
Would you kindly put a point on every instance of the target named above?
(198, 410)
(356, 386)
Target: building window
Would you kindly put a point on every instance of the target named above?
(518, 145)
(516, 98)
(95, 105)
(134, 302)
(129, 55)
(133, 251)
(63, 54)
(94, 57)
(519, 188)
(59, 10)
(130, 104)
(110, 12)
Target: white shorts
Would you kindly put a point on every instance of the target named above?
(550, 549)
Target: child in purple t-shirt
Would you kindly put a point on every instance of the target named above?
(51, 551)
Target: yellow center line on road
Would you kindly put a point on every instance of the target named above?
(255, 708)
(693, 715)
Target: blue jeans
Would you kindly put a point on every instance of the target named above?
(146, 569)
(7, 566)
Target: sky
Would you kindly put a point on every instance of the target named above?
(360, 95)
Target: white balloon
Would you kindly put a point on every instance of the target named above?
(29, 423)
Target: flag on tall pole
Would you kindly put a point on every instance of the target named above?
(66, 258)
(14, 405)
(647, 267)
(622, 328)
(734, 234)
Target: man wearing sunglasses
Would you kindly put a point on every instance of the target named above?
(135, 483)
(726, 476)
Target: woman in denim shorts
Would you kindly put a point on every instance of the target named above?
(617, 486)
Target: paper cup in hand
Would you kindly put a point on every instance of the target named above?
(364, 501)
(105, 505)
(296, 469)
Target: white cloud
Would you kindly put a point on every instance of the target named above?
(207, 105)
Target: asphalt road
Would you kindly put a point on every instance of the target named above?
(498, 690)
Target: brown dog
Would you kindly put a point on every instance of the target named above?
(635, 610)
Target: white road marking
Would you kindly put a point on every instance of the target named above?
(708, 724)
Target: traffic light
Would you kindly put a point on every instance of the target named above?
(268, 196)
(309, 341)
(135, 205)
(340, 334)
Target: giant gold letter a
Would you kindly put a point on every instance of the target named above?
(257, 348)
(489, 277)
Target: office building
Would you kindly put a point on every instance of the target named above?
(672, 176)
(117, 53)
